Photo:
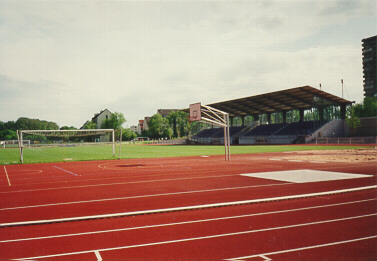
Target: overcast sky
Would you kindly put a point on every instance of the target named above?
(63, 61)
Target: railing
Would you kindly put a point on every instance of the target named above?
(345, 140)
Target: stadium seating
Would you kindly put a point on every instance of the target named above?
(274, 131)
(301, 128)
(265, 130)
(232, 132)
(208, 133)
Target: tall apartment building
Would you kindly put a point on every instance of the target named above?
(370, 66)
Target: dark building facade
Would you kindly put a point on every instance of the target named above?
(370, 66)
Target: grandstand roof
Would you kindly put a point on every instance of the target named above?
(305, 97)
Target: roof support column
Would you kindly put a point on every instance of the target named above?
(269, 118)
(302, 115)
(343, 111)
(320, 111)
(284, 116)
(256, 117)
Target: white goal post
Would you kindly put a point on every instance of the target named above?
(63, 133)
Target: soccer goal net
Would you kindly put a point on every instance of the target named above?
(63, 145)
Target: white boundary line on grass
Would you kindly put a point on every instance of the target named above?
(144, 212)
(216, 236)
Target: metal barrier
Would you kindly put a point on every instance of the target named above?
(345, 140)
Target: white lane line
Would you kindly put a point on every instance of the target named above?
(192, 221)
(295, 160)
(194, 207)
(119, 183)
(303, 248)
(322, 162)
(206, 237)
(98, 255)
(67, 171)
(143, 196)
(276, 159)
(115, 177)
(7, 176)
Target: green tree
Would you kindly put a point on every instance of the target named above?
(128, 134)
(114, 122)
(90, 125)
(8, 130)
(24, 123)
(368, 108)
(159, 126)
(168, 132)
(179, 123)
(9, 135)
(352, 119)
(68, 128)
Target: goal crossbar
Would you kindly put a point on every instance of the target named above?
(63, 133)
(60, 133)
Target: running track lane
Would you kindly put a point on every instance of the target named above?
(165, 201)
(337, 227)
(335, 167)
(39, 176)
(152, 194)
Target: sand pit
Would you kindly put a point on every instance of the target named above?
(346, 155)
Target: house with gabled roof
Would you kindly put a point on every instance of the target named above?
(99, 118)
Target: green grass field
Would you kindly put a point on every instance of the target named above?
(80, 153)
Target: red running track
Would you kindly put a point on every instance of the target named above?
(336, 227)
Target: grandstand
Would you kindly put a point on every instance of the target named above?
(327, 113)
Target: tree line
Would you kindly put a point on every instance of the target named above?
(174, 125)
(8, 130)
(368, 108)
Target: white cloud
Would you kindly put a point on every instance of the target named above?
(136, 57)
